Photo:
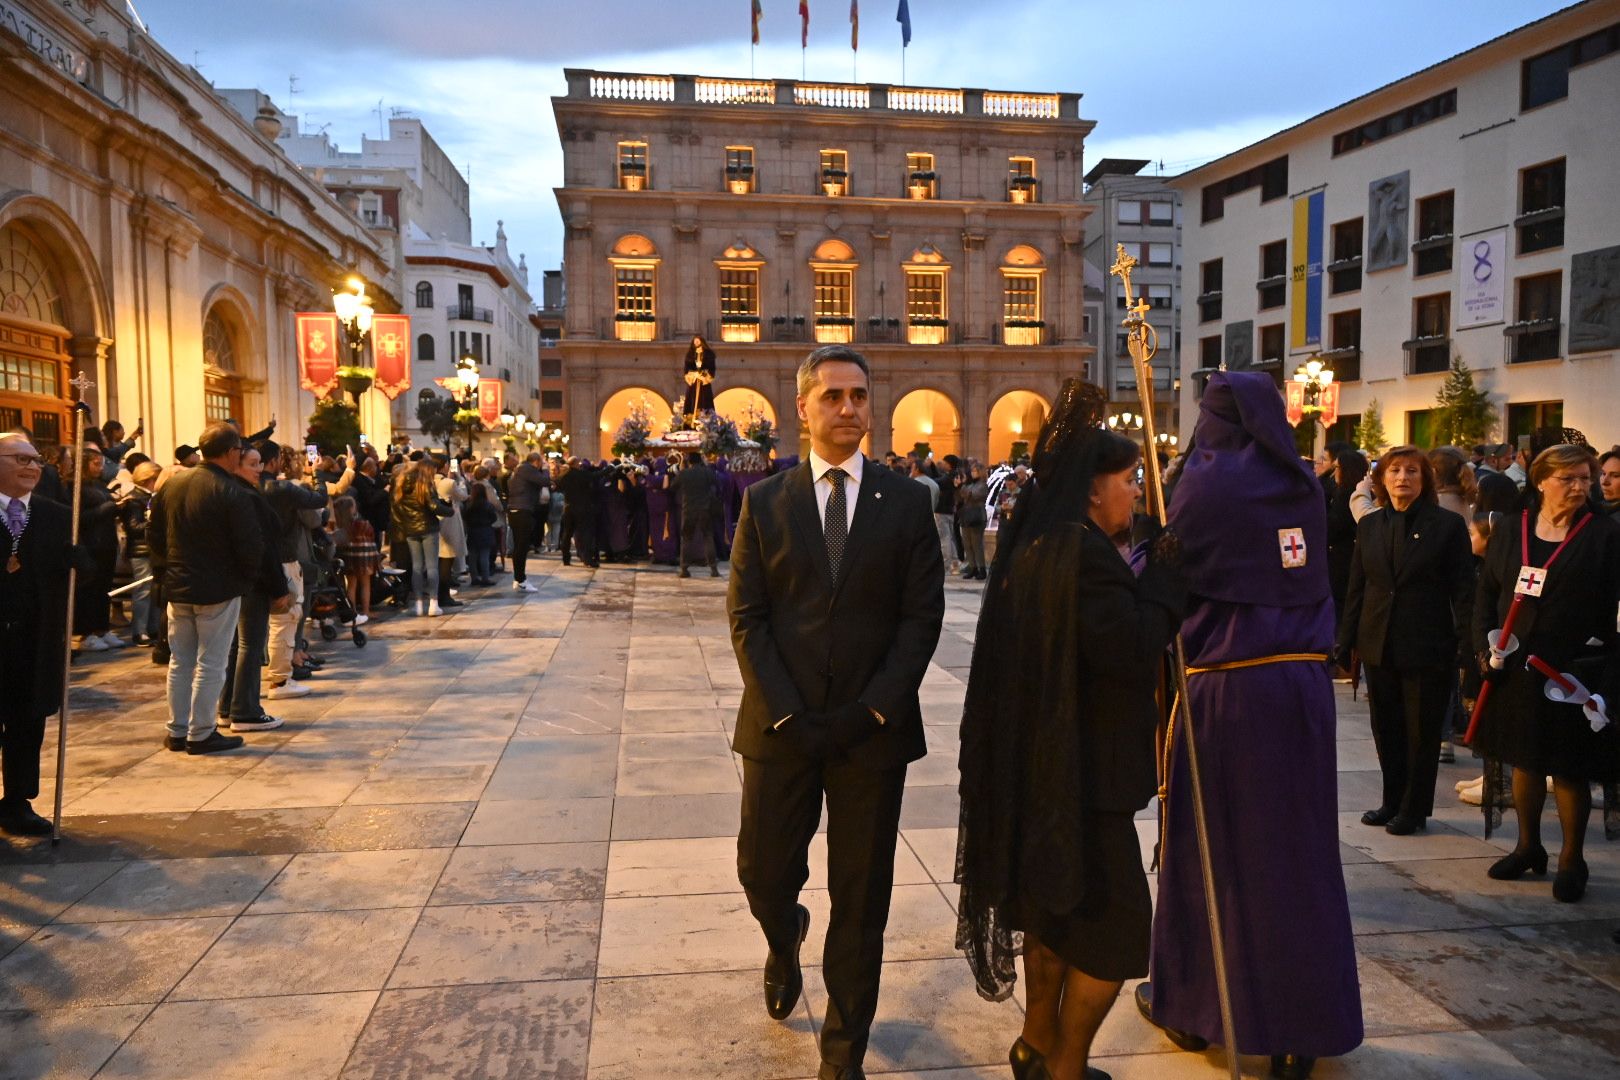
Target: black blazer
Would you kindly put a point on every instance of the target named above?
(1413, 616)
(807, 643)
(45, 555)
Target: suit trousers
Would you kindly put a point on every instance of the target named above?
(580, 529)
(22, 726)
(781, 808)
(522, 523)
(697, 540)
(1408, 709)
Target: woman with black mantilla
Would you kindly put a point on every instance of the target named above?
(1566, 558)
(1055, 766)
(698, 371)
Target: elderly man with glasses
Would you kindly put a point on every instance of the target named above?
(35, 555)
(206, 543)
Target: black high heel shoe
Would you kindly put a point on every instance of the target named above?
(1027, 1062)
(1570, 885)
(1512, 866)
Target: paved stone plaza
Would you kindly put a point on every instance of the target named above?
(500, 844)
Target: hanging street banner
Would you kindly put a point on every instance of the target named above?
(1305, 312)
(1327, 402)
(1482, 279)
(391, 353)
(318, 345)
(491, 397)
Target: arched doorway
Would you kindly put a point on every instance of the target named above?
(1015, 417)
(223, 356)
(926, 416)
(618, 408)
(739, 404)
(33, 338)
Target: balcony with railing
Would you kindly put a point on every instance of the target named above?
(1014, 105)
(468, 313)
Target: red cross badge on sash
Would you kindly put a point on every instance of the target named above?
(1532, 579)
(1292, 543)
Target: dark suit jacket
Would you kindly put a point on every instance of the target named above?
(807, 643)
(46, 556)
(1413, 615)
(697, 490)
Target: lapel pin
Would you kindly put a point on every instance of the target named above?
(877, 494)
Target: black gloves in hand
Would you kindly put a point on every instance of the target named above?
(1344, 656)
(808, 732)
(1166, 549)
(851, 725)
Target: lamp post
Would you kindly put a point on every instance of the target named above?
(467, 372)
(1314, 376)
(1125, 422)
(353, 308)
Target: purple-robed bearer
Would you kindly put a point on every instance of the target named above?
(1253, 525)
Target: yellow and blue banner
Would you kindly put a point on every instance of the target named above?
(1305, 309)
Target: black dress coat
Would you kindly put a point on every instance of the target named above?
(1415, 614)
(46, 555)
(807, 642)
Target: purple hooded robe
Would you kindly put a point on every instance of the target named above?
(1254, 530)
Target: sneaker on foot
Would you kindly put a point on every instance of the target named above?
(214, 743)
(1448, 756)
(90, 643)
(113, 641)
(361, 619)
(524, 586)
(264, 722)
(288, 689)
(433, 609)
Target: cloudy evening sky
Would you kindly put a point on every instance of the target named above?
(1181, 81)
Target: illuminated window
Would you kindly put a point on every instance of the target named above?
(739, 303)
(1022, 186)
(1021, 309)
(835, 172)
(835, 305)
(634, 303)
(1430, 344)
(922, 182)
(740, 169)
(925, 307)
(633, 168)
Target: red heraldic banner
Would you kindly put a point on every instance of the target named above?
(317, 351)
(391, 349)
(1327, 402)
(490, 400)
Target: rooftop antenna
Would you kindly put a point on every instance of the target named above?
(381, 134)
(292, 87)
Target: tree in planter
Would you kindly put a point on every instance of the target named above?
(437, 415)
(1463, 414)
(334, 426)
(1369, 433)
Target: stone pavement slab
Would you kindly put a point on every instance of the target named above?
(503, 844)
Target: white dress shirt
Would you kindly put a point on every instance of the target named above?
(5, 501)
(852, 484)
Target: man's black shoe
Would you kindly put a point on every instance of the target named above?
(830, 1071)
(19, 819)
(1402, 825)
(1184, 1040)
(300, 672)
(160, 653)
(784, 980)
(174, 743)
(1292, 1066)
(449, 602)
(214, 743)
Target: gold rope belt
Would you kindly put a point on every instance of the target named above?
(1261, 661)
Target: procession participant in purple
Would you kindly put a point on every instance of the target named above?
(1251, 516)
(725, 520)
(663, 515)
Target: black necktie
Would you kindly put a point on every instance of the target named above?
(836, 527)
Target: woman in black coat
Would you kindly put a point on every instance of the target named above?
(1348, 470)
(1571, 627)
(1406, 610)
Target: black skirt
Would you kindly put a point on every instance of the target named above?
(1108, 933)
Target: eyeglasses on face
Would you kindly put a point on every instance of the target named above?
(25, 460)
(1572, 481)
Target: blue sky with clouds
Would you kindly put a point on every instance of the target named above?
(1181, 81)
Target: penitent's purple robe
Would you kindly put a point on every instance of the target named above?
(663, 516)
(1266, 747)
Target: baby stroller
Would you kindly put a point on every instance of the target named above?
(391, 586)
(328, 602)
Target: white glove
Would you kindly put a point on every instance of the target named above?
(1593, 705)
(1597, 713)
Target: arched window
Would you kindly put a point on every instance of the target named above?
(424, 346)
(222, 390)
(424, 294)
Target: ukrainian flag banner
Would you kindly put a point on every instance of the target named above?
(1305, 310)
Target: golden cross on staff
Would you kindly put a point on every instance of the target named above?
(1143, 342)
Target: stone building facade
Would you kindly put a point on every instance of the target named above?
(940, 231)
(1464, 212)
(153, 238)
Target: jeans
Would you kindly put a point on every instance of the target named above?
(284, 627)
(199, 649)
(483, 560)
(554, 516)
(942, 525)
(140, 601)
(424, 566)
(239, 700)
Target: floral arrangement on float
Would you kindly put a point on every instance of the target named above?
(720, 434)
(757, 428)
(635, 431)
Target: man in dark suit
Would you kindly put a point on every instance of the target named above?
(836, 600)
(581, 498)
(35, 554)
(695, 486)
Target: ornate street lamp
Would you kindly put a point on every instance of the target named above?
(1314, 376)
(353, 308)
(1126, 421)
(467, 373)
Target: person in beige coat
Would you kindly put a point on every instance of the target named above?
(452, 533)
